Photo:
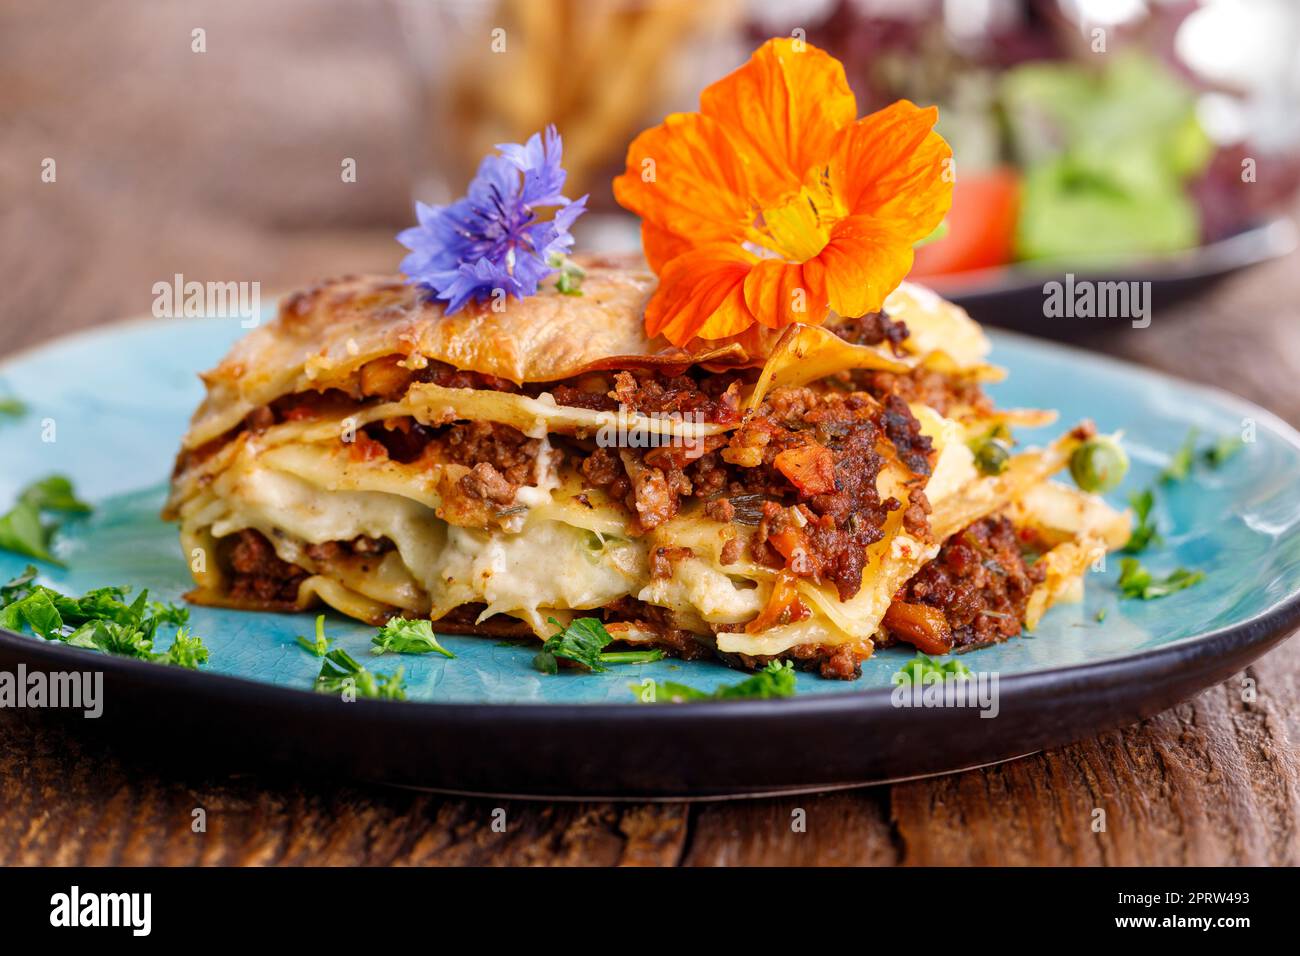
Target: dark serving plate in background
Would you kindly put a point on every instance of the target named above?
(1012, 296)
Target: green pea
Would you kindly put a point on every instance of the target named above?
(991, 456)
(1099, 464)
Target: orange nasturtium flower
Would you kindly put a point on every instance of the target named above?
(775, 202)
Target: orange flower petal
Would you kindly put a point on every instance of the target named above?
(781, 293)
(775, 157)
(892, 165)
(865, 260)
(661, 246)
(782, 110)
(757, 340)
(684, 177)
(701, 293)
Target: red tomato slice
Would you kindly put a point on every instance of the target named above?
(981, 225)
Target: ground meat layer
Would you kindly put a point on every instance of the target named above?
(940, 391)
(501, 458)
(802, 468)
(840, 662)
(976, 588)
(260, 577)
(944, 393)
(257, 574)
(874, 328)
(713, 397)
(833, 662)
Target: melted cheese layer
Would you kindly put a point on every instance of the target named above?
(566, 550)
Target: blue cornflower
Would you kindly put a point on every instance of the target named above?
(492, 239)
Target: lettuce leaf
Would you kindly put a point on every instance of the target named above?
(1107, 155)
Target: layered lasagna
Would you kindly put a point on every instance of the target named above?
(808, 494)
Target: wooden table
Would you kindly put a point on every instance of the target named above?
(172, 163)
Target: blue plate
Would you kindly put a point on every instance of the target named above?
(108, 409)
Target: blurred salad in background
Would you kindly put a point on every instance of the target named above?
(1106, 156)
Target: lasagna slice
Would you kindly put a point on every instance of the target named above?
(804, 495)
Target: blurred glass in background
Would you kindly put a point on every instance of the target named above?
(494, 71)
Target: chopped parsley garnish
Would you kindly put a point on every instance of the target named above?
(17, 587)
(571, 275)
(9, 405)
(1136, 581)
(404, 636)
(632, 657)
(173, 614)
(921, 669)
(21, 528)
(341, 674)
(21, 531)
(1213, 456)
(321, 644)
(584, 642)
(1146, 533)
(186, 651)
(101, 620)
(1100, 616)
(1180, 465)
(54, 493)
(1222, 449)
(777, 679)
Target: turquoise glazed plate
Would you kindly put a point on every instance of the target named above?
(108, 409)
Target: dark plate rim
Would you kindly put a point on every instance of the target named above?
(219, 687)
(1283, 614)
(1259, 242)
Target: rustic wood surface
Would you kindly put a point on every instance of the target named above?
(227, 167)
